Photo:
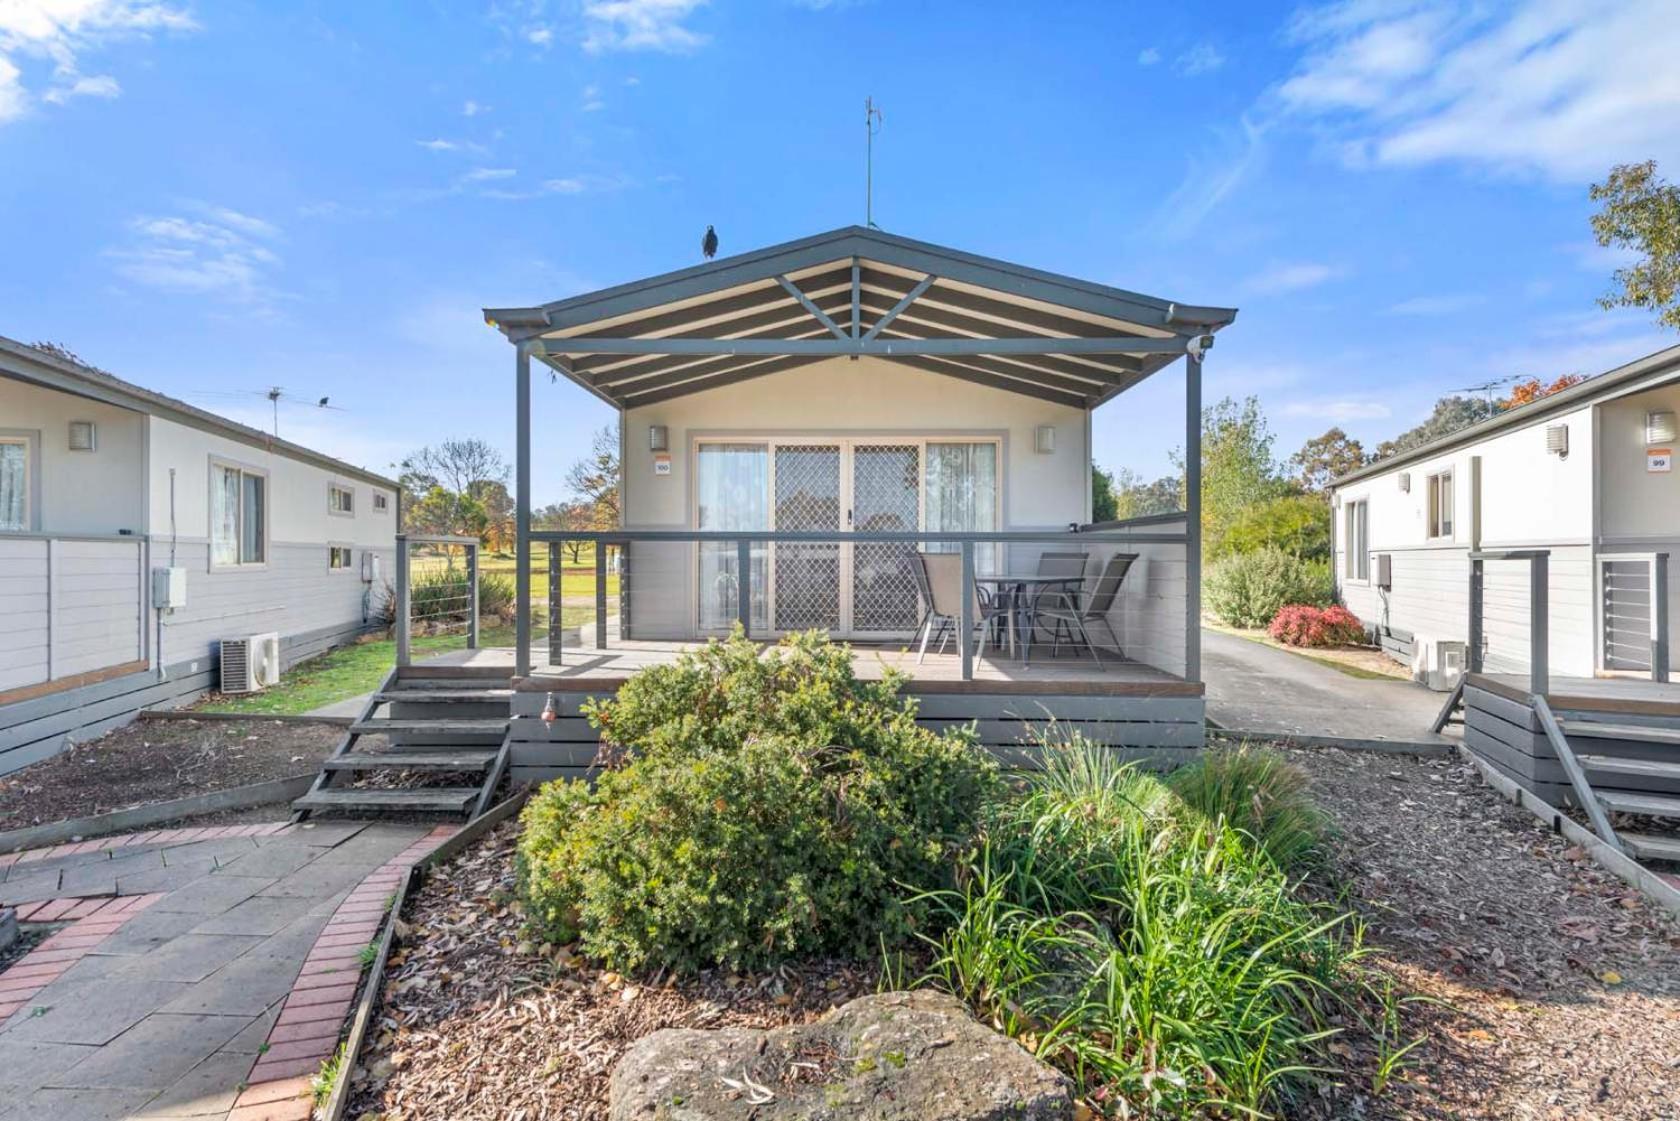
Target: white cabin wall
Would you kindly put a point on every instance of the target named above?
(96, 492)
(1529, 499)
(1639, 510)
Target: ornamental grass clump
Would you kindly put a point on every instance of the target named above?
(1156, 954)
(1260, 794)
(756, 806)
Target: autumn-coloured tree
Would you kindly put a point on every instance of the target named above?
(1527, 392)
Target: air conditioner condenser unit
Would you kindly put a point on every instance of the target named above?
(1451, 660)
(250, 663)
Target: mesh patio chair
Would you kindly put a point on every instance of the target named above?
(1073, 618)
(941, 575)
(1064, 595)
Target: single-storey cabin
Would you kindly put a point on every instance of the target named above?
(802, 427)
(104, 486)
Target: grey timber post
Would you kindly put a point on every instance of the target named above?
(472, 585)
(1193, 518)
(556, 638)
(1473, 656)
(1539, 624)
(522, 515)
(743, 585)
(600, 595)
(1659, 617)
(965, 617)
(402, 605)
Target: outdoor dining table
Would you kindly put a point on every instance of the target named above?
(1012, 587)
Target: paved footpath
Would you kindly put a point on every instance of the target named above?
(160, 998)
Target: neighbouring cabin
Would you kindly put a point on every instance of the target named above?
(102, 483)
(802, 427)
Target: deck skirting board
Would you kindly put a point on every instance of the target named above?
(1153, 731)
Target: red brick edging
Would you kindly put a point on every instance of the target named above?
(92, 921)
(312, 1019)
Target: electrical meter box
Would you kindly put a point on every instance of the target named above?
(169, 588)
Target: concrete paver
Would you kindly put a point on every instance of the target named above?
(161, 1006)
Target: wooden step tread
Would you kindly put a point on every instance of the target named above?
(1590, 729)
(447, 726)
(445, 696)
(454, 799)
(1650, 846)
(1651, 805)
(467, 759)
(1647, 768)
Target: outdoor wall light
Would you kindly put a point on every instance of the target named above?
(658, 438)
(1044, 439)
(1659, 427)
(83, 436)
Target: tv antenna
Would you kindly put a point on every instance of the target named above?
(1486, 388)
(274, 395)
(872, 121)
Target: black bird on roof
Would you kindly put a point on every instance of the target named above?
(708, 244)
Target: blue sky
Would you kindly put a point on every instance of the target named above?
(210, 199)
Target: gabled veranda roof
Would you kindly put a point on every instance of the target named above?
(858, 291)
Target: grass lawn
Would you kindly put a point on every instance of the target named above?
(352, 670)
(577, 581)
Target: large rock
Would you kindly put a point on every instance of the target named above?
(915, 1056)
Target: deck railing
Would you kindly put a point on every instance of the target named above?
(1634, 610)
(683, 584)
(455, 605)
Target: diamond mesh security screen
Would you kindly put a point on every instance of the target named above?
(886, 485)
(807, 574)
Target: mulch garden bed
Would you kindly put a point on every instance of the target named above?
(158, 761)
(1549, 988)
(1552, 988)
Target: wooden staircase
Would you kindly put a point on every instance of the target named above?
(423, 721)
(1624, 768)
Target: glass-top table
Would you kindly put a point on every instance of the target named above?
(1014, 587)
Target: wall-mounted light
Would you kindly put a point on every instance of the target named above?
(83, 436)
(658, 438)
(1557, 440)
(1044, 439)
(1405, 482)
(1660, 427)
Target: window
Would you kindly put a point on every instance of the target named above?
(338, 556)
(14, 483)
(381, 502)
(1356, 565)
(238, 515)
(341, 500)
(1440, 491)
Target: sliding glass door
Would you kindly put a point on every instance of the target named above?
(865, 590)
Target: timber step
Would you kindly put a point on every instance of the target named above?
(450, 799)
(1592, 730)
(1651, 805)
(466, 759)
(1644, 768)
(1649, 846)
(444, 696)
(468, 726)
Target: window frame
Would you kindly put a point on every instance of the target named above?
(1435, 484)
(26, 439)
(381, 502)
(349, 492)
(1356, 563)
(244, 470)
(349, 551)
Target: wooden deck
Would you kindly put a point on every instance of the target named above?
(1144, 713)
(1628, 695)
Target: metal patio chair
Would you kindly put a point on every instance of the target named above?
(939, 576)
(1072, 617)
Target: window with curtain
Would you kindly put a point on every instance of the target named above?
(238, 501)
(14, 485)
(733, 489)
(1356, 564)
(961, 495)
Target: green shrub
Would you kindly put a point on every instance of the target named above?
(444, 595)
(763, 806)
(1159, 958)
(1299, 524)
(1248, 589)
(1259, 793)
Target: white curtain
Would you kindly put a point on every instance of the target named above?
(251, 543)
(224, 515)
(962, 490)
(734, 493)
(14, 486)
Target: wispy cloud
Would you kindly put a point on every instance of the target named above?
(474, 108)
(1445, 304)
(558, 185)
(1564, 90)
(211, 251)
(641, 25)
(1291, 276)
(56, 35)
(441, 144)
(487, 174)
(1203, 58)
(1210, 178)
(592, 102)
(1149, 56)
(1338, 410)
